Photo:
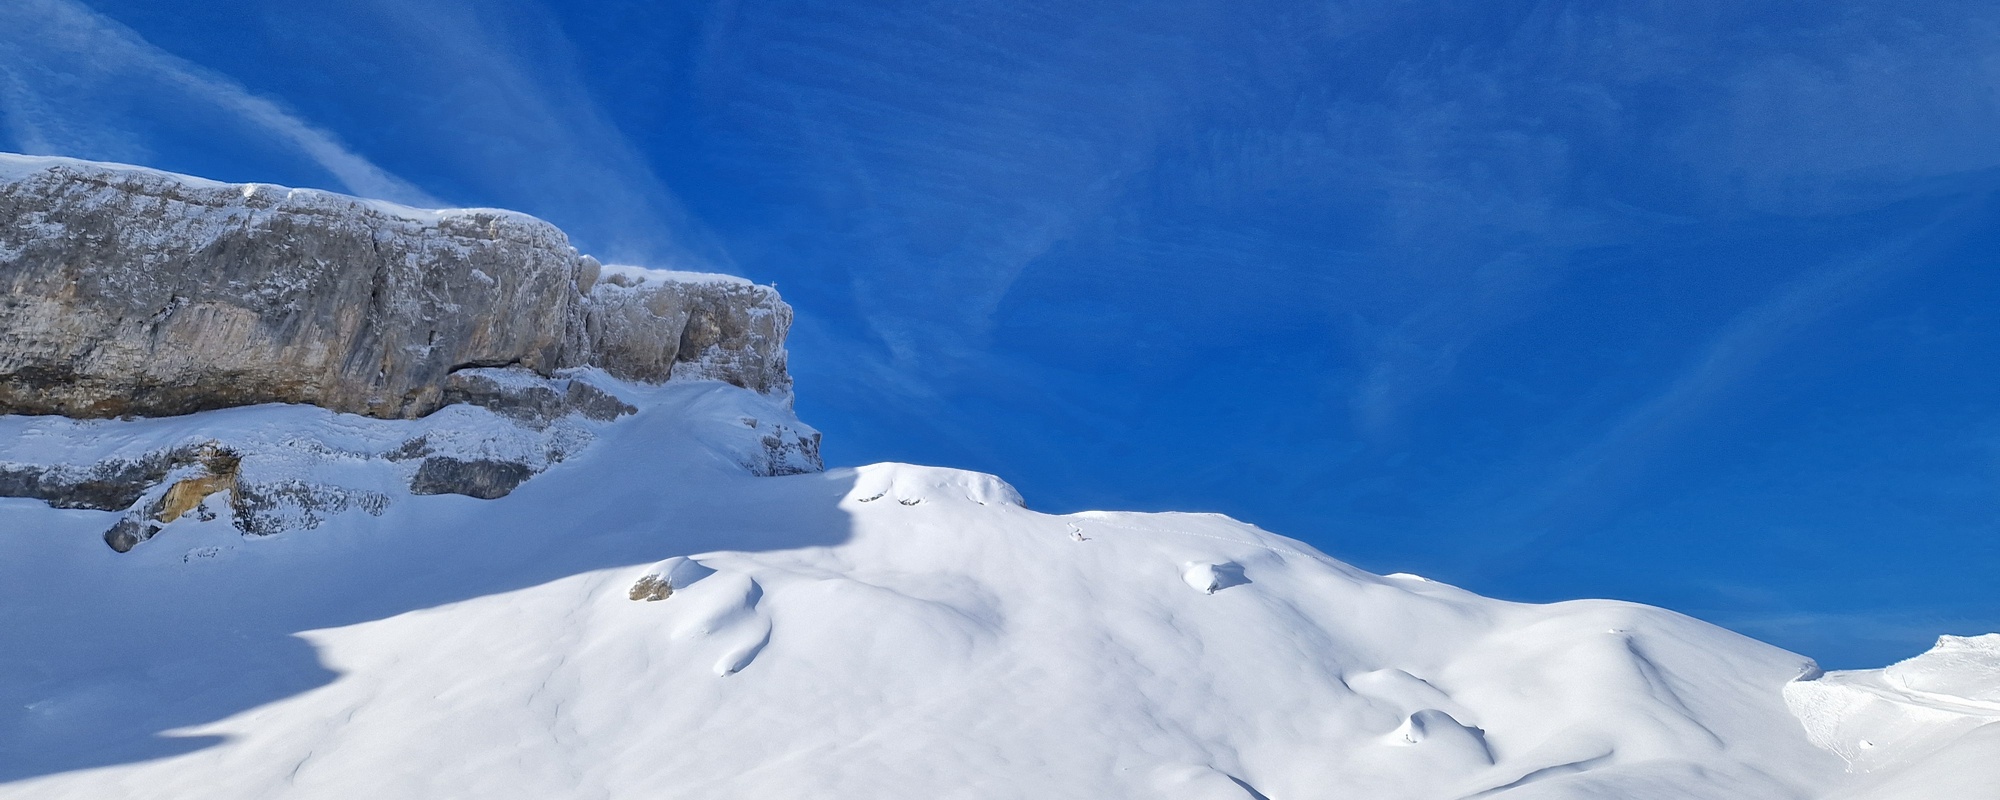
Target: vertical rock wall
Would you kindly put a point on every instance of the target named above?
(130, 292)
(653, 325)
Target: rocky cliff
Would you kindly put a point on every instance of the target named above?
(487, 348)
(130, 292)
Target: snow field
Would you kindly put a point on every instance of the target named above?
(891, 631)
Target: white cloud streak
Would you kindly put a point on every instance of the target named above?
(55, 49)
(501, 99)
(1597, 473)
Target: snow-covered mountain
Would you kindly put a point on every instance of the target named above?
(679, 606)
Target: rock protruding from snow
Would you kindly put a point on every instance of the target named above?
(652, 325)
(277, 468)
(663, 579)
(131, 292)
(530, 399)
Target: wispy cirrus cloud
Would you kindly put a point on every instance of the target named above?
(1505, 157)
(64, 67)
(483, 104)
(1543, 502)
(1869, 108)
(494, 96)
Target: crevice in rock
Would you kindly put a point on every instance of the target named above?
(486, 364)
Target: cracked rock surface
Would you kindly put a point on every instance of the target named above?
(131, 292)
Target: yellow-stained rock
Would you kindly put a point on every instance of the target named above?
(186, 495)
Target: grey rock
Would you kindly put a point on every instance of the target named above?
(410, 450)
(140, 488)
(263, 509)
(111, 485)
(136, 293)
(531, 400)
(595, 403)
(533, 403)
(483, 478)
(129, 292)
(786, 450)
(642, 327)
(129, 532)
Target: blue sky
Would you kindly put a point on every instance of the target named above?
(1688, 303)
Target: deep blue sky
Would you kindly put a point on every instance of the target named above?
(1691, 303)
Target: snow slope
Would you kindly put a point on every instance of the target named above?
(1924, 727)
(891, 631)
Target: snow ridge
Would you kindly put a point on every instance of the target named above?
(1917, 728)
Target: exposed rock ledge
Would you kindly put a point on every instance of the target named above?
(131, 292)
(277, 468)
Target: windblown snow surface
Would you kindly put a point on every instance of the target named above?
(890, 631)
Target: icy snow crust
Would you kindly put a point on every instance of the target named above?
(647, 620)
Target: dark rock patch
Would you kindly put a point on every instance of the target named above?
(262, 509)
(594, 403)
(112, 485)
(534, 404)
(129, 532)
(484, 478)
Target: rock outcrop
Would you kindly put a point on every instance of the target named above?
(485, 347)
(109, 485)
(530, 400)
(653, 325)
(130, 292)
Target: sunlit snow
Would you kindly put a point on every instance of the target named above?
(645, 619)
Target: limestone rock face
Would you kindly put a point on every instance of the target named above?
(135, 293)
(129, 292)
(653, 325)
